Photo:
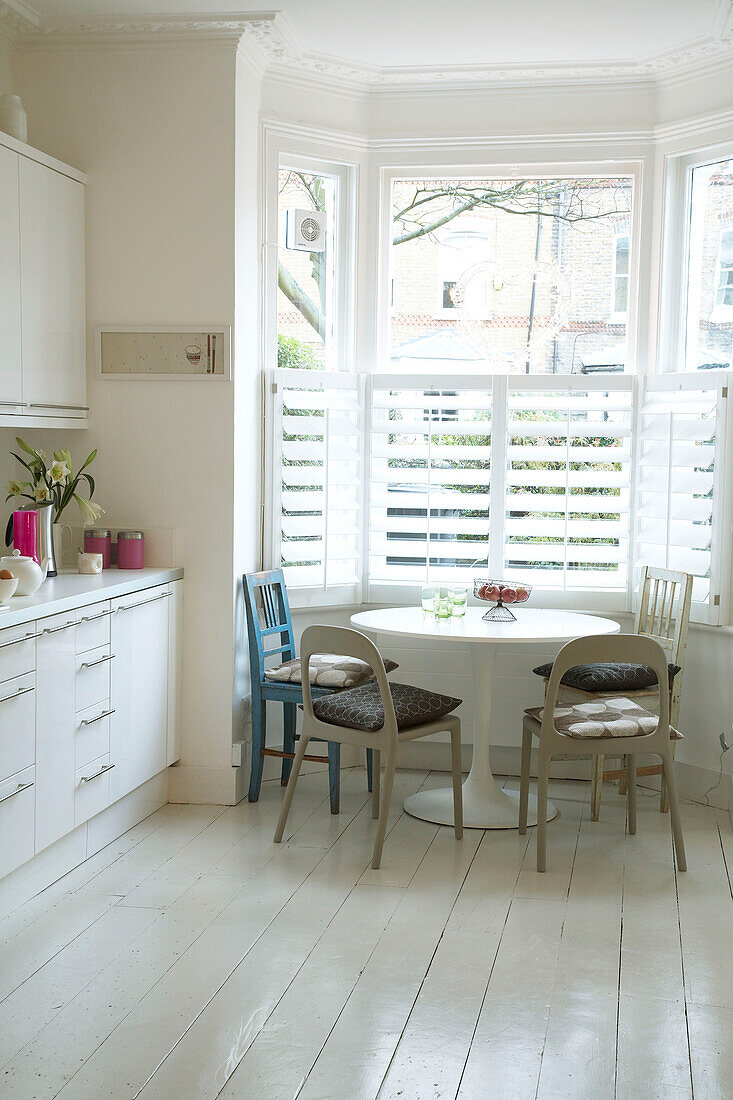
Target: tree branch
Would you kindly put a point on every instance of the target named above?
(298, 297)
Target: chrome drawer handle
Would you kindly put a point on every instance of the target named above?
(15, 694)
(91, 618)
(18, 789)
(102, 770)
(56, 629)
(130, 606)
(46, 405)
(91, 721)
(99, 661)
(25, 638)
(14, 404)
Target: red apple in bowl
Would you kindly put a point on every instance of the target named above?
(509, 595)
(522, 594)
(493, 592)
(483, 592)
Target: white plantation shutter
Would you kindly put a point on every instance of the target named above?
(680, 507)
(568, 472)
(317, 460)
(429, 476)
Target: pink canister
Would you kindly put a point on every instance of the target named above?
(130, 550)
(99, 541)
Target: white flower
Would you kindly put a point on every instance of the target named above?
(42, 492)
(90, 512)
(59, 470)
(16, 488)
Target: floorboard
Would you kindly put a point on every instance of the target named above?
(195, 958)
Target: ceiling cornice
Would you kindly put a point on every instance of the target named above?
(271, 42)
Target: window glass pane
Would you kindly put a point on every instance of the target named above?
(509, 276)
(709, 342)
(306, 283)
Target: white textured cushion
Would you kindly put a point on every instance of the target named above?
(327, 670)
(616, 717)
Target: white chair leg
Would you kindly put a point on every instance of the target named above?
(596, 789)
(674, 808)
(631, 791)
(386, 797)
(290, 789)
(376, 780)
(455, 748)
(543, 776)
(524, 779)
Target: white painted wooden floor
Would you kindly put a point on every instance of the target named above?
(193, 958)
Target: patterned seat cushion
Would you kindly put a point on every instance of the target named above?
(608, 676)
(617, 717)
(327, 670)
(360, 708)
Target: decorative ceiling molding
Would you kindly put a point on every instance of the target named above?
(270, 40)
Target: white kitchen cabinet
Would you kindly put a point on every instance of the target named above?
(52, 291)
(175, 671)
(55, 727)
(16, 820)
(11, 384)
(139, 688)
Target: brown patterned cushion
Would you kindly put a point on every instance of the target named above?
(608, 676)
(617, 717)
(361, 708)
(327, 670)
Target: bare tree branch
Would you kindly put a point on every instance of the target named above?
(298, 297)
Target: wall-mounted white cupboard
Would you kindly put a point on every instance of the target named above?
(42, 290)
(88, 713)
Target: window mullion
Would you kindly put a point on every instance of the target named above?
(497, 474)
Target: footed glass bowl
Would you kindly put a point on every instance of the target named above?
(500, 593)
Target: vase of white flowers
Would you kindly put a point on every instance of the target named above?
(53, 483)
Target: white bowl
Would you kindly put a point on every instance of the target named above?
(7, 589)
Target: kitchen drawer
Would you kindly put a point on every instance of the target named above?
(92, 677)
(17, 811)
(17, 650)
(92, 733)
(91, 791)
(92, 626)
(17, 724)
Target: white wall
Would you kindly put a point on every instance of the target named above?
(156, 130)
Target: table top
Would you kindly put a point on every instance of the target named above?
(532, 625)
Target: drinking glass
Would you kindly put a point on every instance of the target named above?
(443, 604)
(428, 598)
(458, 597)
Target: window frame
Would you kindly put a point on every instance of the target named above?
(284, 149)
(518, 168)
(672, 273)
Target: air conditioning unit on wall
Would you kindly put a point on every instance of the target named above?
(305, 230)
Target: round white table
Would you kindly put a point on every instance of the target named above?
(485, 804)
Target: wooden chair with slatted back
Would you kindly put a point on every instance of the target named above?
(664, 615)
(267, 610)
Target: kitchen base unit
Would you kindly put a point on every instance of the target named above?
(89, 704)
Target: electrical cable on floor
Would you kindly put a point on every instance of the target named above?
(709, 791)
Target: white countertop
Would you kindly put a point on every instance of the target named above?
(70, 590)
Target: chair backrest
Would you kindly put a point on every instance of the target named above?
(635, 648)
(345, 642)
(268, 618)
(664, 610)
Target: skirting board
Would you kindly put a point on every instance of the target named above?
(76, 847)
(692, 781)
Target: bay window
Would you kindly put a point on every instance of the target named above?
(708, 338)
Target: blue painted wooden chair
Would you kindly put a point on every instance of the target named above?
(268, 620)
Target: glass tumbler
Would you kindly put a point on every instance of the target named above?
(459, 597)
(428, 598)
(443, 604)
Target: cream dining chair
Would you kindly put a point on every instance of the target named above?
(376, 716)
(601, 726)
(663, 613)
